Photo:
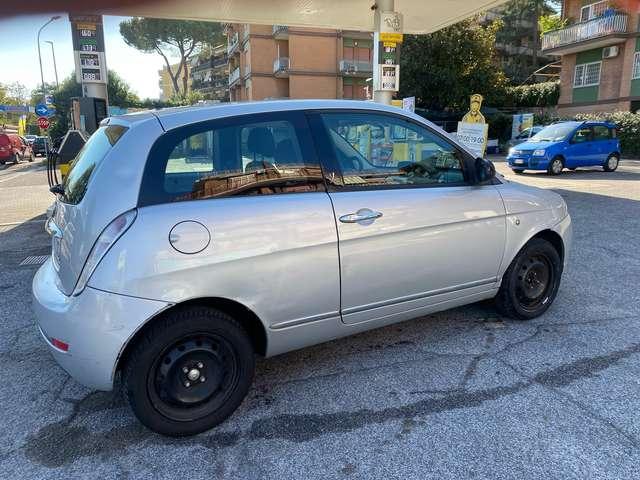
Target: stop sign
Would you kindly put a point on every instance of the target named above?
(43, 122)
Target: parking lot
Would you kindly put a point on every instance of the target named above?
(459, 394)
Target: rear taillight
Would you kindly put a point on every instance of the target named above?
(60, 345)
(105, 241)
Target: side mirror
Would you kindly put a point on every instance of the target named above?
(480, 170)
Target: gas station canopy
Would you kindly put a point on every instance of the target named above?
(420, 16)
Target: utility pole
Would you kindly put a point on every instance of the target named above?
(55, 67)
(55, 17)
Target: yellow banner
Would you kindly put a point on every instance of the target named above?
(391, 37)
(86, 26)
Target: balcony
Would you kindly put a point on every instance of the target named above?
(234, 42)
(234, 76)
(356, 68)
(595, 33)
(210, 63)
(281, 67)
(280, 32)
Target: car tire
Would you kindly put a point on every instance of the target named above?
(518, 171)
(189, 371)
(530, 284)
(611, 164)
(555, 166)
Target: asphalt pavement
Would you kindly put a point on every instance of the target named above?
(459, 394)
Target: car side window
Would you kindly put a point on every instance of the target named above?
(601, 132)
(381, 150)
(230, 158)
(582, 135)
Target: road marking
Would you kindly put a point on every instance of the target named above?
(6, 179)
(11, 224)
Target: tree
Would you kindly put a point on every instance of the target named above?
(443, 68)
(521, 29)
(170, 37)
(118, 90)
(547, 23)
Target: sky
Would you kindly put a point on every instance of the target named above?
(18, 48)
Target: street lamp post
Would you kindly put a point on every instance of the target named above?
(55, 17)
(55, 67)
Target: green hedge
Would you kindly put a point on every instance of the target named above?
(543, 94)
(628, 126)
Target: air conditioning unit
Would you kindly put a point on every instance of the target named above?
(610, 52)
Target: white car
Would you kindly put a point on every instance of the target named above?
(186, 241)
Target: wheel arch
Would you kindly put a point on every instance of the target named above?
(553, 238)
(245, 316)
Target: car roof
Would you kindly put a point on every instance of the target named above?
(178, 116)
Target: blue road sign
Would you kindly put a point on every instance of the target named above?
(42, 110)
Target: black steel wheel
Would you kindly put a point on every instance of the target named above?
(530, 284)
(189, 371)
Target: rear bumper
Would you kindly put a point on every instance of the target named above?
(96, 325)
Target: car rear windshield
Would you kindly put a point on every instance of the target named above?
(553, 133)
(88, 160)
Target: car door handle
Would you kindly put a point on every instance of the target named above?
(361, 215)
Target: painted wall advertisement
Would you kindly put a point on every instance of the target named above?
(521, 122)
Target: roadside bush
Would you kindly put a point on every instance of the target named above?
(500, 126)
(543, 94)
(628, 126)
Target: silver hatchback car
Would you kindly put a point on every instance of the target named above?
(186, 241)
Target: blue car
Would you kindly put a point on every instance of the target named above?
(568, 145)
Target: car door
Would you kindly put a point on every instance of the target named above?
(411, 231)
(603, 144)
(580, 151)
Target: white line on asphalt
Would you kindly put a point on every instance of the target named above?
(6, 179)
(20, 223)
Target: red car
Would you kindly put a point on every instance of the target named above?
(14, 148)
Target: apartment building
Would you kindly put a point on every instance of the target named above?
(600, 52)
(276, 61)
(210, 74)
(164, 82)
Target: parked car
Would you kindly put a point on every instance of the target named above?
(41, 146)
(568, 145)
(30, 139)
(525, 135)
(262, 228)
(14, 148)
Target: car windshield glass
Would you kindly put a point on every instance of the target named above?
(88, 159)
(553, 133)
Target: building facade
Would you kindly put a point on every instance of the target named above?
(600, 52)
(210, 74)
(167, 92)
(275, 61)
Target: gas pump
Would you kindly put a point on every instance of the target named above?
(86, 115)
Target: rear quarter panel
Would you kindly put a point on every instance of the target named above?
(277, 255)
